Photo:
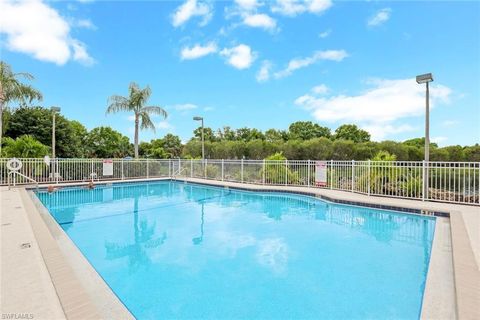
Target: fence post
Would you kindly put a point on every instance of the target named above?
(353, 175)
(241, 170)
(91, 171)
(369, 177)
(263, 171)
(308, 173)
(123, 175)
(205, 168)
(148, 172)
(286, 171)
(179, 166)
(169, 168)
(191, 168)
(331, 174)
(222, 168)
(56, 170)
(423, 180)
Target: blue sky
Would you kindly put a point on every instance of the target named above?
(260, 64)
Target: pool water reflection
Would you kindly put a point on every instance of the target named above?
(172, 250)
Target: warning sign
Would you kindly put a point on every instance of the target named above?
(320, 173)
(108, 167)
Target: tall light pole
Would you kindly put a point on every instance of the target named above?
(203, 137)
(426, 78)
(54, 112)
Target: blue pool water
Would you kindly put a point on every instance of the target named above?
(171, 250)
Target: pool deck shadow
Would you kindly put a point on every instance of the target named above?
(50, 278)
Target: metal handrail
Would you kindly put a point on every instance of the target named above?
(176, 173)
(21, 175)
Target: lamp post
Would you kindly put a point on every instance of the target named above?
(426, 78)
(203, 138)
(54, 112)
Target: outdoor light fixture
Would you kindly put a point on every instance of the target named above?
(203, 139)
(426, 78)
(54, 112)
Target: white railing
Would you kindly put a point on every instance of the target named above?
(457, 182)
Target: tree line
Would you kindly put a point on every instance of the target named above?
(28, 133)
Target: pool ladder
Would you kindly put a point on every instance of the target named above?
(176, 173)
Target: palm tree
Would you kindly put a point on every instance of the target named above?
(11, 89)
(135, 102)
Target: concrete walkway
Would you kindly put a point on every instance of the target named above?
(26, 284)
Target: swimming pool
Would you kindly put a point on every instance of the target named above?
(173, 250)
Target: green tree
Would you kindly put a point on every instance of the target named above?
(136, 103)
(104, 142)
(226, 134)
(455, 153)
(208, 134)
(13, 89)
(400, 150)
(419, 143)
(172, 145)
(472, 153)
(317, 149)
(306, 130)
(24, 146)
(78, 137)
(351, 132)
(37, 122)
(274, 135)
(384, 156)
(246, 134)
(343, 150)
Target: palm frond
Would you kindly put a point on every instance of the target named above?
(24, 75)
(156, 111)
(118, 103)
(13, 89)
(146, 122)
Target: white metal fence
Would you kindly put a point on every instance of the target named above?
(457, 182)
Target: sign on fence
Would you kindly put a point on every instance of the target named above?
(320, 173)
(108, 167)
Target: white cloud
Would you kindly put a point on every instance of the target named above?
(247, 10)
(260, 20)
(295, 64)
(325, 33)
(294, 7)
(248, 4)
(198, 51)
(164, 125)
(450, 123)
(240, 57)
(190, 9)
(80, 53)
(377, 108)
(378, 132)
(207, 109)
(264, 73)
(34, 28)
(320, 89)
(438, 140)
(380, 17)
(184, 107)
(85, 23)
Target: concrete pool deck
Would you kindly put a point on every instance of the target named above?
(44, 275)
